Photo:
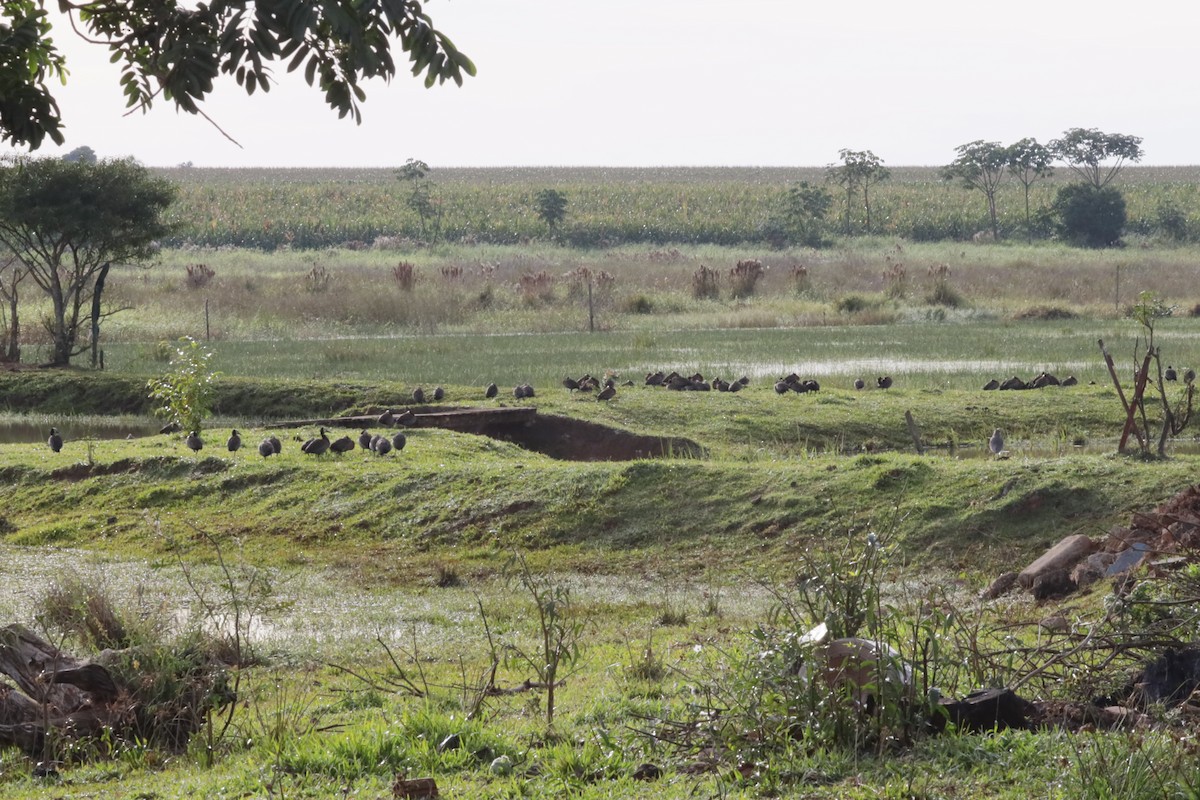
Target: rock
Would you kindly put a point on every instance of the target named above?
(1061, 556)
(1122, 538)
(1052, 584)
(999, 587)
(1091, 569)
(1127, 560)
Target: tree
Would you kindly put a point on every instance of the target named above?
(860, 169)
(1028, 162)
(551, 207)
(11, 275)
(66, 222)
(1086, 151)
(421, 198)
(83, 153)
(980, 165)
(176, 50)
(801, 216)
(1091, 216)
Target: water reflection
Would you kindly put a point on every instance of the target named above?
(75, 429)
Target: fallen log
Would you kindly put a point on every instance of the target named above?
(74, 698)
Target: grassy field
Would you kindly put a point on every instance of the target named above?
(872, 307)
(682, 578)
(676, 568)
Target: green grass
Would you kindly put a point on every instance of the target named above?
(352, 549)
(674, 561)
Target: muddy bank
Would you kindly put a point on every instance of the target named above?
(549, 434)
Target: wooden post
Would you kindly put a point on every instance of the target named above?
(591, 309)
(1130, 410)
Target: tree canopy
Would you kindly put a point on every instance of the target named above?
(860, 169)
(980, 165)
(176, 51)
(67, 221)
(1029, 161)
(1096, 156)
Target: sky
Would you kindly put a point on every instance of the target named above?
(700, 83)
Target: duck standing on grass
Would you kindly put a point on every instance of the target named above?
(55, 441)
(194, 442)
(317, 447)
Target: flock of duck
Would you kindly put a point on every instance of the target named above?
(605, 389)
(1040, 381)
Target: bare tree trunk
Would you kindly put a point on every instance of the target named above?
(12, 348)
(100, 278)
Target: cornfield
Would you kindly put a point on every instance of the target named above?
(312, 208)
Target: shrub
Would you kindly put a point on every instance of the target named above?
(536, 287)
(896, 278)
(1045, 314)
(185, 393)
(801, 282)
(852, 304)
(706, 283)
(452, 274)
(86, 612)
(639, 304)
(578, 279)
(317, 279)
(941, 292)
(406, 275)
(199, 275)
(744, 277)
(1091, 217)
(1172, 221)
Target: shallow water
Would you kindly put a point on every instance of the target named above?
(25, 432)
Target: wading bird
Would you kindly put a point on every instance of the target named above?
(235, 441)
(55, 441)
(194, 442)
(996, 443)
